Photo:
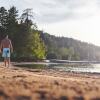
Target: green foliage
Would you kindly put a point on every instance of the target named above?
(26, 39)
(70, 49)
(11, 22)
(51, 56)
(39, 47)
(35, 46)
(3, 19)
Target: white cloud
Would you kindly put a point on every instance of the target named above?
(57, 10)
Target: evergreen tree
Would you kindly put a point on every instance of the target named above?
(29, 44)
(38, 47)
(27, 17)
(12, 21)
(3, 18)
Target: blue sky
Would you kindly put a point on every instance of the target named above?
(78, 19)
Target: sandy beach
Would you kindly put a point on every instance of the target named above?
(35, 84)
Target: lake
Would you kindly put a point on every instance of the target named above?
(91, 68)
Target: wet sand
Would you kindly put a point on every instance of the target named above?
(35, 84)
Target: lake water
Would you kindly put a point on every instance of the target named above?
(94, 68)
(91, 68)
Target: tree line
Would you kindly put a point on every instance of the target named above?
(69, 49)
(31, 44)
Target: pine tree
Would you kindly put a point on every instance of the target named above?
(12, 21)
(3, 18)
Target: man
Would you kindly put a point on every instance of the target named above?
(6, 48)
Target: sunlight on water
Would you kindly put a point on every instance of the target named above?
(94, 68)
(91, 68)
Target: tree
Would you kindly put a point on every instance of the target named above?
(12, 21)
(71, 53)
(35, 45)
(28, 42)
(3, 18)
(51, 56)
(64, 52)
(27, 18)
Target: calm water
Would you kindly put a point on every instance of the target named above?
(92, 68)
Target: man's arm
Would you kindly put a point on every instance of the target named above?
(11, 47)
(1, 46)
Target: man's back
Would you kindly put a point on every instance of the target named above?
(6, 43)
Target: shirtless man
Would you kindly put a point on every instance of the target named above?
(6, 48)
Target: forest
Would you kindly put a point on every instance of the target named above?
(69, 49)
(23, 32)
(30, 43)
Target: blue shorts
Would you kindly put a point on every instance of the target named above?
(6, 52)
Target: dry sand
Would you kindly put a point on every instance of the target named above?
(32, 84)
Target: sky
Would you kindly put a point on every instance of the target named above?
(78, 19)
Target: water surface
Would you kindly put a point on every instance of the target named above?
(91, 68)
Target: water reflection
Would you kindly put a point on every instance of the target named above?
(92, 68)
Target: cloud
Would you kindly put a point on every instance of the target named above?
(60, 10)
(49, 11)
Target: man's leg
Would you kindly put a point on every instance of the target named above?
(5, 62)
(8, 60)
(8, 57)
(4, 56)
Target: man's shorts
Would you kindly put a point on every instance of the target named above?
(6, 52)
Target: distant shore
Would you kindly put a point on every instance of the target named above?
(36, 84)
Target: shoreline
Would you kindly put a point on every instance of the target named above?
(49, 66)
(36, 84)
